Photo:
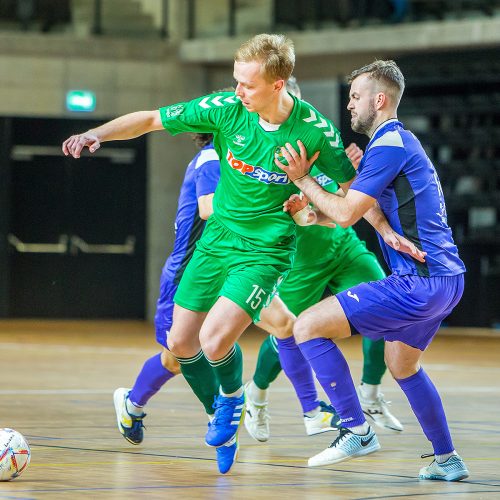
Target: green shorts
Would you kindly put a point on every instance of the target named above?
(225, 264)
(352, 264)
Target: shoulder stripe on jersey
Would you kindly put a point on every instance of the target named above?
(204, 156)
(389, 139)
(407, 213)
(218, 100)
(320, 122)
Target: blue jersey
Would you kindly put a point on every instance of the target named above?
(201, 178)
(396, 171)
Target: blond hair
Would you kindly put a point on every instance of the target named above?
(275, 53)
(386, 73)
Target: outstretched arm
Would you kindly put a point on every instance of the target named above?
(124, 127)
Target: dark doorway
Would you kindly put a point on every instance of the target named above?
(74, 229)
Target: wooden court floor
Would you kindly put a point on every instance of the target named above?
(56, 386)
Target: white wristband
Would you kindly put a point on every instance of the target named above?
(301, 218)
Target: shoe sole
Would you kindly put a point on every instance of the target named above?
(366, 451)
(320, 431)
(118, 400)
(457, 476)
(380, 425)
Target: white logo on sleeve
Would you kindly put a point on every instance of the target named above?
(353, 295)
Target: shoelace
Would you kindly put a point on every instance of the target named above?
(343, 433)
(262, 415)
(223, 410)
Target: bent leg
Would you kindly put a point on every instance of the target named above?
(424, 399)
(315, 330)
(155, 373)
(291, 359)
(183, 342)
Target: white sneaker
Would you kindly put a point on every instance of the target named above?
(346, 446)
(257, 420)
(326, 420)
(130, 426)
(378, 412)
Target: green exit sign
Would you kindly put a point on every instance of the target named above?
(80, 100)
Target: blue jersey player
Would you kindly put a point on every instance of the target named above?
(406, 308)
(194, 208)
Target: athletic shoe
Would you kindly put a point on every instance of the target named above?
(229, 412)
(227, 454)
(453, 469)
(326, 420)
(257, 420)
(378, 412)
(347, 445)
(130, 426)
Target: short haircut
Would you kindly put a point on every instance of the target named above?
(385, 72)
(275, 53)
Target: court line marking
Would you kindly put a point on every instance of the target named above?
(191, 458)
(183, 390)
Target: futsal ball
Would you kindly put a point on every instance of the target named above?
(15, 454)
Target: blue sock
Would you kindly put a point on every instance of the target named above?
(334, 376)
(426, 404)
(299, 372)
(149, 381)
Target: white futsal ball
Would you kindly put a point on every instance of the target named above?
(15, 454)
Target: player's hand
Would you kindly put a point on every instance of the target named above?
(295, 203)
(74, 145)
(354, 153)
(402, 244)
(298, 163)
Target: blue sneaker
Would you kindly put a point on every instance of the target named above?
(227, 454)
(130, 426)
(453, 469)
(229, 413)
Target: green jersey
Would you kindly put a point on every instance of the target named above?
(318, 244)
(251, 191)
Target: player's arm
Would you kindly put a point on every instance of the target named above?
(205, 206)
(124, 127)
(345, 211)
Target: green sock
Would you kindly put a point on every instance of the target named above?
(201, 378)
(373, 361)
(268, 363)
(229, 370)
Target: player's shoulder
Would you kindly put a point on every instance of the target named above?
(218, 100)
(205, 156)
(317, 125)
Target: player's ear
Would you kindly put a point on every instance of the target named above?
(279, 84)
(380, 100)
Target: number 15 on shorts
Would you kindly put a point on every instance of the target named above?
(256, 297)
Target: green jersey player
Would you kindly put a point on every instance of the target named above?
(248, 245)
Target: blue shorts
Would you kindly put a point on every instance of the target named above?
(405, 308)
(165, 310)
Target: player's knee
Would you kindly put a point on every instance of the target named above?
(399, 368)
(177, 348)
(303, 328)
(169, 361)
(284, 328)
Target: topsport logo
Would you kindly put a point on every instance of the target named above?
(258, 173)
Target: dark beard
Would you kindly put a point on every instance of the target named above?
(365, 126)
